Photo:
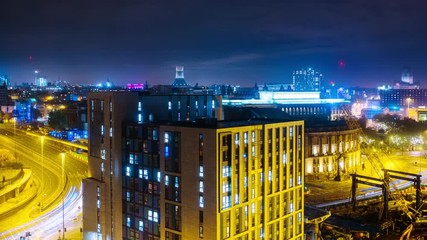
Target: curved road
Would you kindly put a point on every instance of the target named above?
(42, 216)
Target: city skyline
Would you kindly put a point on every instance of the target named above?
(352, 43)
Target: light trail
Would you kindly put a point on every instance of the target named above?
(47, 225)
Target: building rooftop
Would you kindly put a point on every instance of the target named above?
(213, 123)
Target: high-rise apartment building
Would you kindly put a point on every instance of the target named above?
(213, 180)
(108, 112)
(102, 191)
(307, 80)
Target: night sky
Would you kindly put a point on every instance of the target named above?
(218, 42)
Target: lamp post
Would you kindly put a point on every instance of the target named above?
(63, 184)
(408, 101)
(42, 163)
(14, 136)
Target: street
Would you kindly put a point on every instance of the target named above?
(42, 217)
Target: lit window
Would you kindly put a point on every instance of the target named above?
(270, 176)
(139, 106)
(128, 222)
(98, 203)
(325, 149)
(284, 158)
(166, 137)
(291, 182)
(213, 103)
(139, 117)
(169, 105)
(167, 180)
(315, 150)
(128, 171)
(201, 186)
(299, 180)
(141, 226)
(155, 216)
(159, 176)
(140, 173)
(201, 202)
(155, 134)
(131, 158)
(226, 202)
(145, 174)
(111, 132)
(150, 215)
(102, 130)
(225, 171)
(176, 182)
(291, 207)
(225, 187)
(245, 137)
(201, 171)
(236, 199)
(166, 151)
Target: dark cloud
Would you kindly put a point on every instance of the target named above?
(218, 42)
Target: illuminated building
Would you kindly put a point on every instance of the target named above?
(107, 111)
(41, 81)
(330, 146)
(307, 80)
(4, 80)
(407, 76)
(213, 180)
(392, 98)
(418, 114)
(295, 104)
(6, 104)
(102, 208)
(179, 78)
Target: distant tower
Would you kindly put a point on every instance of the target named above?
(307, 80)
(179, 78)
(407, 76)
(179, 72)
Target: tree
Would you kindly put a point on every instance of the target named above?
(6, 156)
(57, 120)
(7, 116)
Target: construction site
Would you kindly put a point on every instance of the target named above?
(374, 203)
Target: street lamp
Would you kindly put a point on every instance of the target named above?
(14, 136)
(408, 101)
(63, 184)
(42, 163)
